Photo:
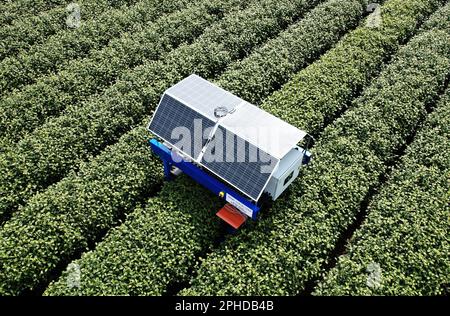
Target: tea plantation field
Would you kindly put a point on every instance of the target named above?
(85, 210)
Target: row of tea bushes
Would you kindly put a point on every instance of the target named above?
(59, 49)
(11, 11)
(324, 90)
(405, 237)
(66, 218)
(439, 19)
(254, 78)
(153, 250)
(25, 32)
(25, 110)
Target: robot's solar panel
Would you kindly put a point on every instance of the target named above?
(203, 96)
(181, 126)
(238, 162)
